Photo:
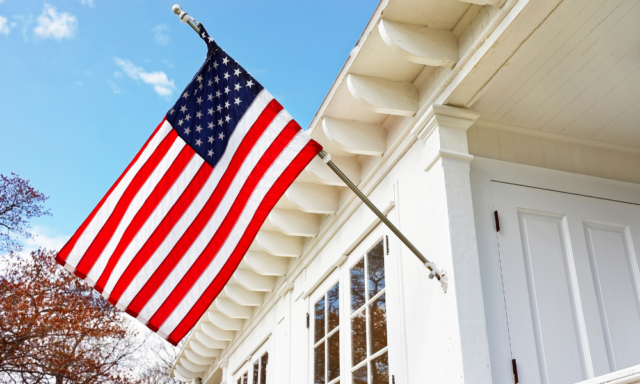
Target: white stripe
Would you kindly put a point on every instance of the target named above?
(207, 233)
(94, 227)
(153, 221)
(136, 203)
(263, 187)
(244, 125)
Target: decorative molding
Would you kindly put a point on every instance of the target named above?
(278, 244)
(555, 136)
(420, 44)
(355, 136)
(324, 175)
(215, 332)
(293, 222)
(265, 264)
(384, 96)
(313, 198)
(449, 154)
(445, 116)
(286, 287)
(495, 3)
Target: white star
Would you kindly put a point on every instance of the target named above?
(172, 111)
(201, 86)
(198, 142)
(187, 130)
(226, 75)
(180, 122)
(226, 90)
(204, 35)
(198, 114)
(215, 64)
(218, 93)
(210, 39)
(219, 107)
(226, 104)
(237, 72)
(210, 153)
(238, 101)
(198, 129)
(185, 94)
(210, 111)
(183, 109)
(238, 86)
(216, 79)
(250, 83)
(221, 136)
(199, 100)
(210, 126)
(188, 117)
(220, 122)
(211, 139)
(225, 60)
(199, 78)
(210, 97)
(227, 118)
(210, 83)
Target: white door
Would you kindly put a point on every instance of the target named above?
(571, 283)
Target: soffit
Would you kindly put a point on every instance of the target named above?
(578, 75)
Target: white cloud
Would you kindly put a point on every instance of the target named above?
(43, 238)
(90, 3)
(161, 34)
(167, 63)
(117, 75)
(161, 83)
(52, 24)
(5, 28)
(114, 86)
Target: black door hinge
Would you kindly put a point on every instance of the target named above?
(515, 371)
(307, 320)
(393, 379)
(495, 216)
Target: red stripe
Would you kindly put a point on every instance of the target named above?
(159, 192)
(191, 234)
(105, 234)
(275, 193)
(163, 230)
(154, 241)
(64, 252)
(227, 225)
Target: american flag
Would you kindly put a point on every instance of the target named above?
(168, 235)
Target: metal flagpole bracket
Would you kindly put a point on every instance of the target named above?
(185, 18)
(434, 271)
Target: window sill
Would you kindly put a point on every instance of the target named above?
(624, 376)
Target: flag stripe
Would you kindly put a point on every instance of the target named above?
(103, 214)
(121, 242)
(110, 225)
(104, 245)
(64, 252)
(193, 306)
(138, 259)
(240, 168)
(189, 268)
(164, 238)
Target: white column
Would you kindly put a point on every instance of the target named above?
(224, 364)
(446, 160)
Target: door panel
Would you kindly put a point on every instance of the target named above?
(570, 275)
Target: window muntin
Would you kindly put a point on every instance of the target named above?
(369, 351)
(326, 349)
(258, 371)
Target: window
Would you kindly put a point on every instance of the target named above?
(259, 372)
(369, 358)
(326, 348)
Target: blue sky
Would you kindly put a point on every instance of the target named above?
(83, 83)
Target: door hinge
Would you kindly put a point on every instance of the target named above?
(515, 371)
(393, 379)
(497, 219)
(387, 241)
(307, 320)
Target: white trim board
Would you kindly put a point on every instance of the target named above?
(555, 136)
(543, 178)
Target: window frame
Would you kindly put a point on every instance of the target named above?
(247, 366)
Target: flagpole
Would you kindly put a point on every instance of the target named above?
(435, 272)
(326, 158)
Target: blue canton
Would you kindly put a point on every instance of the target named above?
(211, 106)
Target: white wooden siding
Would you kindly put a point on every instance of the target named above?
(553, 154)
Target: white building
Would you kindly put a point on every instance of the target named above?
(449, 115)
